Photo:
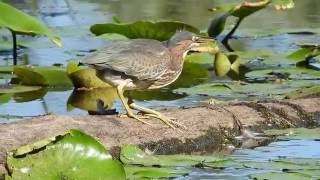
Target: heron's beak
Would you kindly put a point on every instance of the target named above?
(206, 44)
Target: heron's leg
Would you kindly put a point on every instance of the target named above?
(149, 112)
(126, 106)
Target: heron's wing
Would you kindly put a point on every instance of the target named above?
(140, 58)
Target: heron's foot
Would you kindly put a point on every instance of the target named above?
(136, 117)
(171, 122)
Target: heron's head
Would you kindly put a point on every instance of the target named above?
(183, 41)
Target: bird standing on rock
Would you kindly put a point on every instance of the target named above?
(143, 64)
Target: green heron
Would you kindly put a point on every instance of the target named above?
(143, 64)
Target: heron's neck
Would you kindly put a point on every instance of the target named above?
(178, 54)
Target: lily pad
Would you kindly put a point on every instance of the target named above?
(280, 175)
(244, 91)
(132, 155)
(136, 172)
(297, 133)
(73, 155)
(304, 92)
(4, 98)
(88, 99)
(22, 23)
(144, 29)
(11, 89)
(43, 76)
(306, 52)
(284, 73)
(6, 69)
(30, 96)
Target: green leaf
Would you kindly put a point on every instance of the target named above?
(297, 133)
(17, 89)
(284, 73)
(245, 91)
(6, 69)
(144, 29)
(72, 66)
(132, 155)
(73, 155)
(136, 172)
(304, 92)
(88, 99)
(280, 175)
(4, 98)
(30, 96)
(217, 25)
(222, 64)
(87, 78)
(43, 76)
(247, 8)
(306, 51)
(23, 23)
(112, 36)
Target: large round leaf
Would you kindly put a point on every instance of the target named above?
(42, 76)
(144, 29)
(73, 155)
(22, 23)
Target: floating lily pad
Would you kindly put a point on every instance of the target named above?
(304, 92)
(4, 98)
(88, 99)
(6, 69)
(112, 36)
(132, 155)
(144, 29)
(23, 23)
(43, 76)
(11, 89)
(284, 73)
(258, 90)
(30, 96)
(73, 155)
(297, 133)
(136, 172)
(306, 51)
(280, 175)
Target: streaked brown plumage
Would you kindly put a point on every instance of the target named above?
(141, 64)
